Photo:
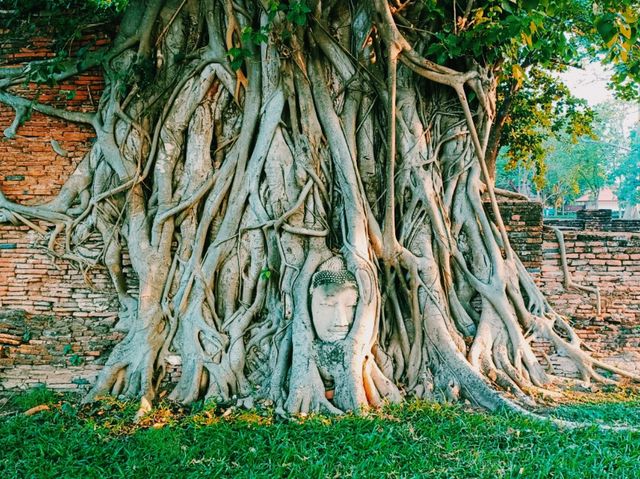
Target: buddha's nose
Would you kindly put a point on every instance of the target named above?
(340, 317)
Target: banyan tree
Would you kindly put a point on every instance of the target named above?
(302, 190)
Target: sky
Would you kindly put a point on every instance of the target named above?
(590, 83)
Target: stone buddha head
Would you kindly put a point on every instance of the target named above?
(334, 297)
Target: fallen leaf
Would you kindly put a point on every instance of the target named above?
(36, 409)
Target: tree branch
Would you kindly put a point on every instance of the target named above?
(22, 105)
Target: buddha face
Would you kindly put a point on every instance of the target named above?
(334, 297)
(333, 308)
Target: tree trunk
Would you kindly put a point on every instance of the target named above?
(308, 230)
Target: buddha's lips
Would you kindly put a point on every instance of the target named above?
(339, 329)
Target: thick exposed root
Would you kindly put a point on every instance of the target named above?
(134, 368)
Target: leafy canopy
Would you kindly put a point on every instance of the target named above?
(542, 109)
(574, 166)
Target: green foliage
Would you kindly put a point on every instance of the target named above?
(628, 171)
(549, 34)
(541, 110)
(534, 31)
(265, 273)
(76, 360)
(46, 72)
(249, 39)
(117, 5)
(617, 24)
(570, 165)
(237, 57)
(581, 166)
(26, 336)
(296, 14)
(525, 42)
(66, 18)
(67, 94)
(296, 11)
(418, 439)
(63, 21)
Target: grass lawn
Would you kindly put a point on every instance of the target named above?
(418, 439)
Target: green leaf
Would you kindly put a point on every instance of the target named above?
(75, 360)
(237, 56)
(298, 13)
(236, 63)
(261, 36)
(68, 94)
(247, 35)
(606, 28)
(26, 336)
(274, 7)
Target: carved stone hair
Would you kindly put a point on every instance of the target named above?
(333, 271)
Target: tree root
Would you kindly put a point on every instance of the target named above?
(568, 281)
(231, 188)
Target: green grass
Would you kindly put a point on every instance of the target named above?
(417, 439)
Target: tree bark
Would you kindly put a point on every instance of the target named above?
(255, 203)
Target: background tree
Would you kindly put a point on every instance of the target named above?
(299, 188)
(540, 111)
(559, 186)
(567, 165)
(532, 102)
(628, 173)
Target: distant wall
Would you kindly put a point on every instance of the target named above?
(523, 221)
(596, 220)
(610, 261)
(602, 252)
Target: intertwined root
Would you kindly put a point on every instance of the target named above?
(231, 189)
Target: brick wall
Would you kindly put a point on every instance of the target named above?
(523, 221)
(34, 282)
(596, 220)
(30, 170)
(610, 261)
(56, 321)
(607, 256)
